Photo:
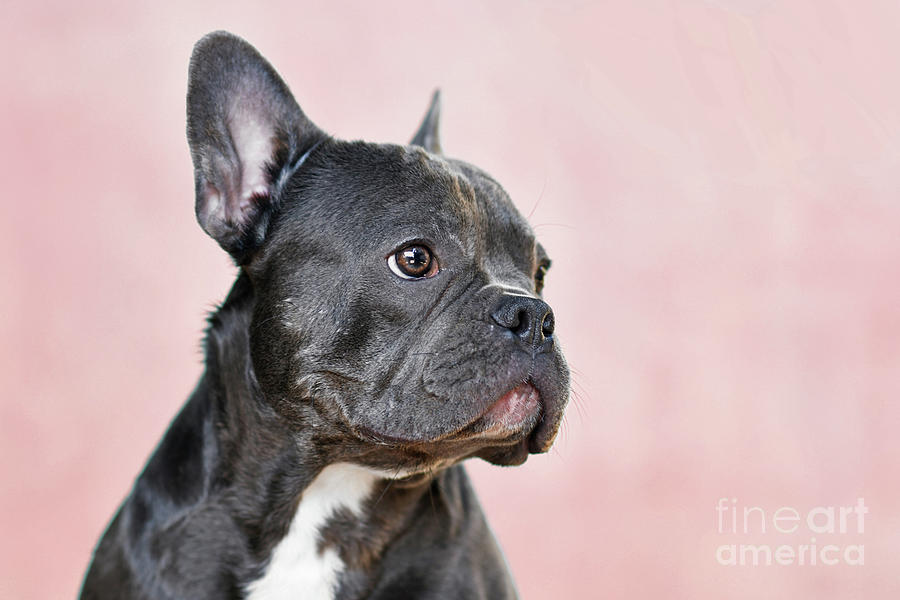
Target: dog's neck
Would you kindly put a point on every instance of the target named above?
(279, 488)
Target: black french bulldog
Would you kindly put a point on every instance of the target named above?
(386, 324)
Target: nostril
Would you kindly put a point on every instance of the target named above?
(547, 325)
(521, 322)
(528, 318)
(514, 317)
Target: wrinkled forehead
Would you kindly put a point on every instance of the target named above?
(364, 191)
(504, 228)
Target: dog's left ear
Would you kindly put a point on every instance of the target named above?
(427, 136)
(246, 134)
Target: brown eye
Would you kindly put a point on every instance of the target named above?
(413, 262)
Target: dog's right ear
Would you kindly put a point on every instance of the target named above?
(246, 134)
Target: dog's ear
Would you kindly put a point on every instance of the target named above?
(427, 135)
(246, 134)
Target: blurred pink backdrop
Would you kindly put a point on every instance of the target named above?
(717, 182)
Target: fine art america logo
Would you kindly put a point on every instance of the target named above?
(820, 535)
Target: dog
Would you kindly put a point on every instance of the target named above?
(386, 323)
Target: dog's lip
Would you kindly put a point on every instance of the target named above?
(504, 421)
(512, 412)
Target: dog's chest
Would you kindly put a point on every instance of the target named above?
(297, 569)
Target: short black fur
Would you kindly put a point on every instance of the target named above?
(321, 355)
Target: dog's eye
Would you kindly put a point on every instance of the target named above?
(539, 276)
(413, 262)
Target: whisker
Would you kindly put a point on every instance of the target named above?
(563, 225)
(577, 402)
(387, 487)
(539, 198)
(431, 491)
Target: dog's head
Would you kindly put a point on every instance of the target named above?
(397, 292)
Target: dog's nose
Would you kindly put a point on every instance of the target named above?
(530, 319)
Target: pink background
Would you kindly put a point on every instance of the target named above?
(718, 185)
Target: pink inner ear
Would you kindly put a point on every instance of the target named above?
(213, 200)
(252, 137)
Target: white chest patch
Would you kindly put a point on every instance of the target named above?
(297, 570)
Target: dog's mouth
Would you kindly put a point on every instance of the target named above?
(513, 418)
(521, 420)
(516, 411)
(516, 422)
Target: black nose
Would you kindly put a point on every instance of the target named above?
(530, 319)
